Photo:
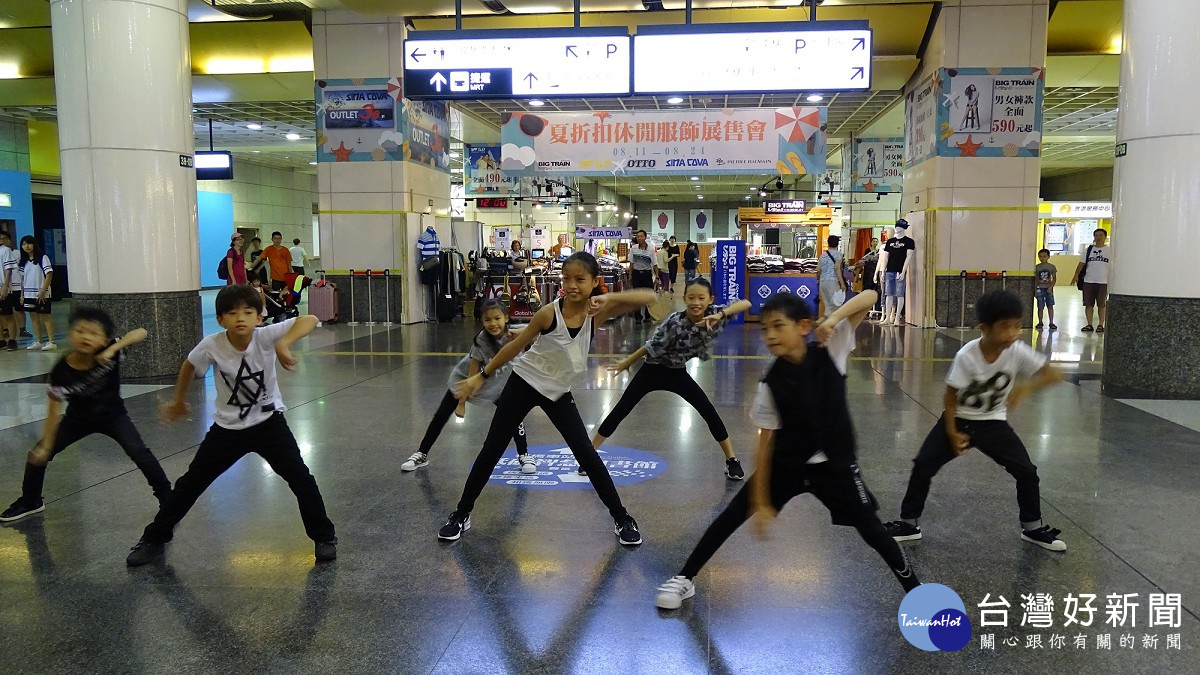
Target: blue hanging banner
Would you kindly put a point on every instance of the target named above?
(729, 273)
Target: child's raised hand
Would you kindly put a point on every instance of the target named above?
(105, 356)
(461, 411)
(619, 367)
(465, 389)
(171, 412)
(825, 331)
(596, 304)
(286, 359)
(712, 321)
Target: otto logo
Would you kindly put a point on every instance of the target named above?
(932, 617)
(641, 164)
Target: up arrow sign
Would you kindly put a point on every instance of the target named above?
(859, 43)
(531, 77)
(438, 80)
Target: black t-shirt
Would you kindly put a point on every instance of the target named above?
(810, 399)
(88, 392)
(674, 262)
(691, 259)
(897, 249)
(262, 271)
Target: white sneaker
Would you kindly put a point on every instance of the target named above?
(34, 347)
(528, 464)
(672, 593)
(49, 347)
(415, 461)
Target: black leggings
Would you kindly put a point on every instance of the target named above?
(514, 404)
(994, 438)
(841, 490)
(655, 377)
(116, 426)
(445, 409)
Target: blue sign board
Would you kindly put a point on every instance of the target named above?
(762, 286)
(558, 470)
(729, 273)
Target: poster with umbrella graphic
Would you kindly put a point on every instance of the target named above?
(702, 225)
(662, 224)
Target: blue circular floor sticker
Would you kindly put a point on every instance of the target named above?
(558, 470)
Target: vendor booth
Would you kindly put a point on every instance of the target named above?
(783, 253)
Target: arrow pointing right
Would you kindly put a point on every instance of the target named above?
(439, 79)
(859, 43)
(416, 56)
(857, 73)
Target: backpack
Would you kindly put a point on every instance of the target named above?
(223, 269)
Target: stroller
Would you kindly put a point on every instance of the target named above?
(285, 304)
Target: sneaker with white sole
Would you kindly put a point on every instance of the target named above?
(528, 464)
(733, 469)
(415, 461)
(455, 525)
(1046, 537)
(627, 531)
(49, 347)
(902, 531)
(673, 592)
(34, 347)
(20, 509)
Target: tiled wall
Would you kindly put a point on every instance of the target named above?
(269, 199)
(14, 145)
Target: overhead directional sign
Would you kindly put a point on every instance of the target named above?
(760, 58)
(517, 63)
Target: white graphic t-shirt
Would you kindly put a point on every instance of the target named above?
(983, 387)
(1097, 265)
(247, 391)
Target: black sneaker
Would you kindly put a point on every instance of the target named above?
(907, 577)
(581, 471)
(143, 552)
(1046, 537)
(1053, 327)
(902, 531)
(20, 509)
(26, 334)
(455, 525)
(627, 530)
(12, 346)
(326, 550)
(1038, 326)
(733, 469)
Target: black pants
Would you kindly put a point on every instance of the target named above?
(221, 448)
(514, 404)
(995, 439)
(445, 409)
(117, 426)
(655, 377)
(642, 279)
(840, 489)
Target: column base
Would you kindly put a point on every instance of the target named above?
(950, 290)
(1150, 348)
(173, 319)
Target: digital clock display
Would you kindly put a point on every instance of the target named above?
(491, 203)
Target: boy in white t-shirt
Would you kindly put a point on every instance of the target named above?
(248, 417)
(980, 388)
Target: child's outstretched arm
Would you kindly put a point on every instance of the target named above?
(760, 483)
(733, 310)
(628, 362)
(853, 311)
(604, 307)
(178, 407)
(301, 326)
(130, 339)
(1041, 379)
(540, 322)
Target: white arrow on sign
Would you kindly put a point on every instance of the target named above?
(438, 80)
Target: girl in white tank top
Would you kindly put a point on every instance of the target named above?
(558, 337)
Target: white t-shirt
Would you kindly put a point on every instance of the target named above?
(33, 274)
(298, 256)
(983, 387)
(247, 391)
(1097, 264)
(763, 413)
(9, 260)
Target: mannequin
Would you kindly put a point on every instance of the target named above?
(894, 262)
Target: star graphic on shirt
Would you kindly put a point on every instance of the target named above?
(242, 395)
(968, 148)
(342, 153)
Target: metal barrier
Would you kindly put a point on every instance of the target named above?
(387, 297)
(982, 275)
(353, 318)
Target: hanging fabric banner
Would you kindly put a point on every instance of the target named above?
(990, 112)
(662, 223)
(787, 141)
(877, 165)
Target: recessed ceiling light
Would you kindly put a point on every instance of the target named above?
(253, 127)
(536, 102)
(699, 196)
(695, 177)
(292, 136)
(454, 155)
(642, 188)
(675, 100)
(312, 163)
(256, 151)
(814, 98)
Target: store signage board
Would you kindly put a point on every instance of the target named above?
(488, 64)
(784, 207)
(760, 58)
(1081, 209)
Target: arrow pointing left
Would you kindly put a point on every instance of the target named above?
(571, 51)
(439, 79)
(416, 55)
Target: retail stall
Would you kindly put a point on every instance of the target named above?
(783, 253)
(1065, 228)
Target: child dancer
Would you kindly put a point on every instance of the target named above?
(980, 388)
(558, 338)
(805, 440)
(88, 379)
(487, 343)
(682, 336)
(248, 417)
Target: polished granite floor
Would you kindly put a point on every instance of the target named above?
(540, 585)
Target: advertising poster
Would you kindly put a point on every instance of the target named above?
(482, 175)
(504, 237)
(662, 223)
(989, 112)
(920, 122)
(729, 273)
(539, 237)
(877, 165)
(357, 121)
(427, 127)
(785, 141)
(733, 230)
(701, 225)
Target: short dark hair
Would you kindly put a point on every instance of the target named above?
(276, 233)
(996, 306)
(235, 297)
(1044, 250)
(296, 242)
(1099, 229)
(259, 240)
(95, 315)
(833, 241)
(698, 281)
(790, 305)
